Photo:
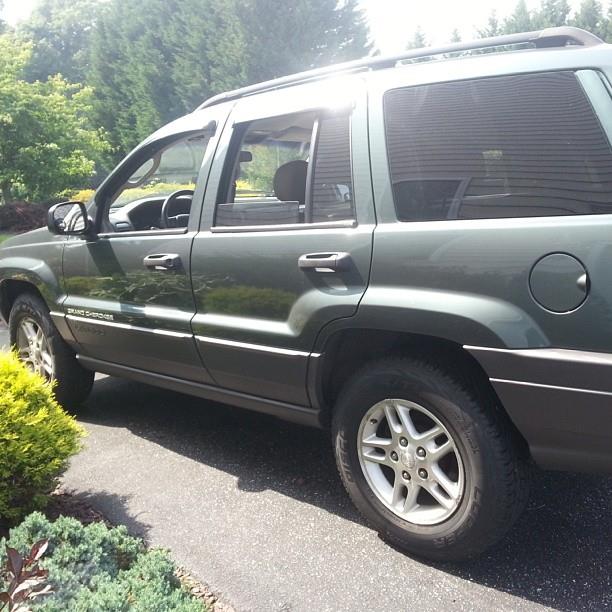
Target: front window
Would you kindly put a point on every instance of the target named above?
(175, 167)
(142, 203)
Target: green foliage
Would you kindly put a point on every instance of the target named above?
(590, 17)
(520, 20)
(308, 34)
(135, 193)
(418, 40)
(551, 14)
(36, 437)
(455, 36)
(492, 28)
(47, 142)
(94, 568)
(252, 301)
(60, 31)
(153, 60)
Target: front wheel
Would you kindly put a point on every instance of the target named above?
(435, 470)
(39, 346)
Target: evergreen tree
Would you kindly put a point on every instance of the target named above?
(418, 40)
(492, 28)
(551, 14)
(520, 21)
(455, 36)
(61, 32)
(590, 17)
(283, 37)
(131, 68)
(153, 60)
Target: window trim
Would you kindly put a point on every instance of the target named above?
(230, 229)
(171, 231)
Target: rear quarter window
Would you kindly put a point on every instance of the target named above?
(513, 146)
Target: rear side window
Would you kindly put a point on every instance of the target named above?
(288, 170)
(516, 146)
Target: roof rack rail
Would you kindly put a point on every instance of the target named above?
(547, 38)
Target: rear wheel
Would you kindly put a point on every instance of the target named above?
(39, 345)
(436, 470)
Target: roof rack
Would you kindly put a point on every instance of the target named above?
(547, 38)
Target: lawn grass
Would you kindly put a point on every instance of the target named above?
(3, 237)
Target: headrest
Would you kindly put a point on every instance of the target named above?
(290, 181)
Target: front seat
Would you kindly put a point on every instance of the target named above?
(290, 182)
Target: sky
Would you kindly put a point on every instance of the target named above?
(392, 22)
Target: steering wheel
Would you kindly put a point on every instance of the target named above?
(167, 221)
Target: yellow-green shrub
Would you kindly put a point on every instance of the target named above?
(83, 195)
(36, 440)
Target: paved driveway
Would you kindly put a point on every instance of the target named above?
(255, 508)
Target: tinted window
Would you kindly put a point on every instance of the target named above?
(517, 146)
(332, 189)
(269, 171)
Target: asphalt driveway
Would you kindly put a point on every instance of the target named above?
(254, 508)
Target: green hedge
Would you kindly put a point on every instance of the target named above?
(93, 568)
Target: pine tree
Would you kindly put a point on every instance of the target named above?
(455, 36)
(418, 40)
(282, 38)
(551, 14)
(492, 28)
(590, 17)
(153, 60)
(520, 21)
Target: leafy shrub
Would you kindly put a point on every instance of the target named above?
(95, 568)
(153, 189)
(254, 301)
(26, 579)
(22, 217)
(82, 195)
(36, 440)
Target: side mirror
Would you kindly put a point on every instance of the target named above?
(69, 219)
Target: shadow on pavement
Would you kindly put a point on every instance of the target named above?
(559, 554)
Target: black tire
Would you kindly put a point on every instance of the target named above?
(495, 464)
(73, 383)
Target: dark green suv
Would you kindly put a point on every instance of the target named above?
(415, 252)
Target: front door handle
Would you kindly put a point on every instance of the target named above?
(325, 262)
(162, 261)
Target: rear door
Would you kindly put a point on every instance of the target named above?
(286, 240)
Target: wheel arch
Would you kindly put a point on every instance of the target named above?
(12, 288)
(347, 350)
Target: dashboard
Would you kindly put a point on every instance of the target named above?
(145, 214)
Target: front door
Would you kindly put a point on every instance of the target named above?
(286, 241)
(129, 298)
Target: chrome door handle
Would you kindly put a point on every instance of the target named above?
(163, 261)
(325, 262)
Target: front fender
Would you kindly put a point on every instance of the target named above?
(34, 258)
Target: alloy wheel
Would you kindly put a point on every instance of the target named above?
(411, 461)
(33, 348)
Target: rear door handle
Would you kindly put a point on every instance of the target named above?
(162, 261)
(325, 262)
